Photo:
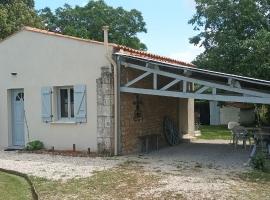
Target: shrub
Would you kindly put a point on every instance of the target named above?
(259, 161)
(34, 145)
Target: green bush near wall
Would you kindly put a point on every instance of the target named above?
(34, 145)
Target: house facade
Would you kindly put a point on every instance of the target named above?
(61, 90)
(231, 112)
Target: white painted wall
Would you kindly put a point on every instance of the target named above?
(229, 114)
(214, 113)
(43, 60)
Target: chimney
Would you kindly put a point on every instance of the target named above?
(106, 36)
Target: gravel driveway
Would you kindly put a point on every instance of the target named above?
(199, 154)
(216, 154)
(54, 167)
(203, 169)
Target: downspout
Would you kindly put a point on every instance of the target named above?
(116, 91)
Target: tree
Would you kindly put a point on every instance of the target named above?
(87, 22)
(235, 35)
(29, 3)
(17, 13)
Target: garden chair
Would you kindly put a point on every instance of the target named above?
(240, 133)
(231, 125)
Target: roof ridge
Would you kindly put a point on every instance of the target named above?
(47, 32)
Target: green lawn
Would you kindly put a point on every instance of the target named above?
(128, 180)
(119, 183)
(215, 132)
(14, 188)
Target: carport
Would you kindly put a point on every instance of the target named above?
(149, 83)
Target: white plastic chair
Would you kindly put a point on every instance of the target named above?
(241, 133)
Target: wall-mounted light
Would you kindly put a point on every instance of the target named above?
(14, 73)
(138, 115)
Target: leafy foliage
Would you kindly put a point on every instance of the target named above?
(258, 162)
(34, 145)
(17, 13)
(235, 35)
(263, 115)
(87, 22)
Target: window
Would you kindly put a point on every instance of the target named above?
(66, 103)
(63, 104)
(20, 97)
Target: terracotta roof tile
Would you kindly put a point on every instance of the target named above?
(147, 55)
(120, 48)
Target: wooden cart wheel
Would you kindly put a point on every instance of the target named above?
(170, 131)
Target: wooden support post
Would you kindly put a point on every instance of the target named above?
(184, 86)
(214, 91)
(88, 151)
(155, 81)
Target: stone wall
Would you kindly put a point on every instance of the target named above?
(105, 111)
(139, 114)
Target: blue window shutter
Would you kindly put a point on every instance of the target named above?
(80, 109)
(46, 98)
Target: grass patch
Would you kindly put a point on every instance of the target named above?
(123, 182)
(14, 188)
(256, 176)
(215, 132)
(257, 184)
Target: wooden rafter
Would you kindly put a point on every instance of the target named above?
(239, 94)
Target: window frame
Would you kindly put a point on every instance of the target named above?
(59, 117)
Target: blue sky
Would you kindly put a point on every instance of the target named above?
(166, 22)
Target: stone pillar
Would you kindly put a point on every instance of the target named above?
(105, 111)
(186, 116)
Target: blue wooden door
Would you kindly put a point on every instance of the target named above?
(17, 117)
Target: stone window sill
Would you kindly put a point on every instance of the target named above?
(63, 122)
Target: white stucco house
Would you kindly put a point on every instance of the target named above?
(44, 81)
(59, 89)
(64, 90)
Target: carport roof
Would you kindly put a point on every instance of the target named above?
(208, 85)
(191, 68)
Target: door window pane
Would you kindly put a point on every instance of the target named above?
(20, 97)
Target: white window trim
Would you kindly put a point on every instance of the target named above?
(64, 119)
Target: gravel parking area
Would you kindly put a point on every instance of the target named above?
(54, 167)
(216, 154)
(201, 153)
(199, 170)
